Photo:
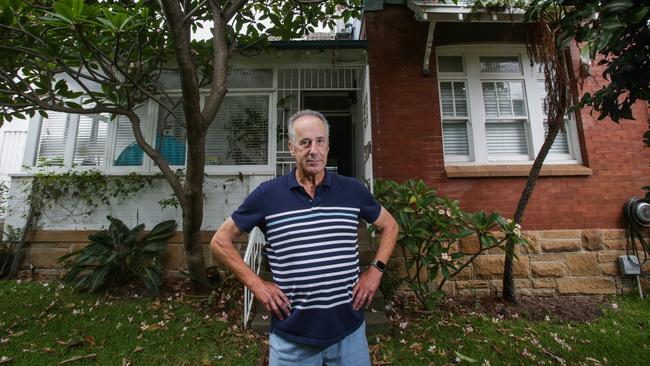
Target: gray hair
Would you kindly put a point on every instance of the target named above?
(302, 113)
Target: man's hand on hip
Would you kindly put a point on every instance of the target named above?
(365, 289)
(273, 299)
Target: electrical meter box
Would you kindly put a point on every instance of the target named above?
(629, 265)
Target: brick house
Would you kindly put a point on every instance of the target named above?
(458, 104)
(421, 93)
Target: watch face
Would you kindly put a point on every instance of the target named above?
(380, 265)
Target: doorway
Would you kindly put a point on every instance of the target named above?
(336, 107)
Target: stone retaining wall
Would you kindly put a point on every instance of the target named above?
(558, 262)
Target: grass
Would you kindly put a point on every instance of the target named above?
(45, 324)
(620, 337)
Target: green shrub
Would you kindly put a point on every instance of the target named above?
(431, 228)
(118, 256)
(9, 243)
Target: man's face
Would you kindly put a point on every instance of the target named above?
(311, 146)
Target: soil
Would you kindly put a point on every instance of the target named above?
(227, 301)
(558, 308)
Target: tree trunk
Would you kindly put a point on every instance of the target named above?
(193, 208)
(508, 280)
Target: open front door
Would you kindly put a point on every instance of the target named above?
(367, 129)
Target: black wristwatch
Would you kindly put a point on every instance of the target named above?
(381, 266)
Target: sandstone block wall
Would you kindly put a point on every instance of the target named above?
(558, 262)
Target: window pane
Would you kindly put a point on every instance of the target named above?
(453, 99)
(503, 95)
(127, 151)
(51, 147)
(460, 97)
(450, 64)
(561, 143)
(506, 138)
(171, 134)
(239, 134)
(490, 100)
(500, 64)
(91, 140)
(504, 99)
(447, 99)
(454, 135)
(250, 78)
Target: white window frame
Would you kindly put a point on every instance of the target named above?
(269, 167)
(455, 157)
(473, 77)
(149, 134)
(34, 142)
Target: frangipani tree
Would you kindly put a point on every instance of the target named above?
(111, 54)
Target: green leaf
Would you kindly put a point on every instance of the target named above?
(465, 358)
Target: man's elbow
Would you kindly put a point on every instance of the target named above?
(218, 244)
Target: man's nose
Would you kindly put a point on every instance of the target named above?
(313, 149)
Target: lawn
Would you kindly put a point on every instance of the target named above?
(47, 324)
(621, 336)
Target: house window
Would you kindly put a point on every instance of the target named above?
(239, 133)
(560, 148)
(91, 140)
(73, 139)
(453, 97)
(127, 152)
(52, 142)
(171, 133)
(492, 107)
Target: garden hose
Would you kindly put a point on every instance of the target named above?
(637, 216)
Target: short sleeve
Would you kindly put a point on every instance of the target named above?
(370, 208)
(251, 212)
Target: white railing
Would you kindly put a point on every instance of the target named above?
(253, 259)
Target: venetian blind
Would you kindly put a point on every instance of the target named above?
(561, 143)
(505, 111)
(127, 151)
(51, 146)
(453, 98)
(239, 133)
(171, 133)
(91, 140)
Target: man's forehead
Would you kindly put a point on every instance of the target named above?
(309, 124)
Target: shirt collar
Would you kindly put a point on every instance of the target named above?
(293, 182)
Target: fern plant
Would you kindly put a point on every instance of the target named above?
(119, 256)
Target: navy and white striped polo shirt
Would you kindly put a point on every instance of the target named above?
(313, 251)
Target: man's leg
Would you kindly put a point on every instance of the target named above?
(286, 353)
(351, 351)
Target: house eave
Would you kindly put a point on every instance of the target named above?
(432, 11)
(319, 45)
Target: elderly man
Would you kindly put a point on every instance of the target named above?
(310, 218)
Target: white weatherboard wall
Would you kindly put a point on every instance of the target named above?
(223, 195)
(12, 148)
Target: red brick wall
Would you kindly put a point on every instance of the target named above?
(407, 140)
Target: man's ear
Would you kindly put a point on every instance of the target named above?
(291, 148)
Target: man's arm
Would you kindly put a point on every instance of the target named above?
(365, 290)
(225, 252)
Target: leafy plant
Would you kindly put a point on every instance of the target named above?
(431, 229)
(120, 255)
(9, 242)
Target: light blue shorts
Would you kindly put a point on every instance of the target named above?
(352, 350)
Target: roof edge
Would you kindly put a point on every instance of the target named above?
(325, 44)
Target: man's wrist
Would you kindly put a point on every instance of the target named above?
(379, 265)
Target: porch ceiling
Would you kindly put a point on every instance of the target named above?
(433, 11)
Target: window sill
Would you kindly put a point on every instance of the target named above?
(551, 170)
